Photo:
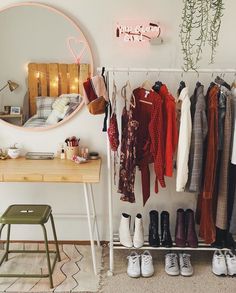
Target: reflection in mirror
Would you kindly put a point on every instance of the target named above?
(40, 51)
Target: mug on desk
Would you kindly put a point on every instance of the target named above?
(72, 151)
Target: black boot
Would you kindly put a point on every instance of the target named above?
(153, 238)
(220, 239)
(229, 242)
(166, 240)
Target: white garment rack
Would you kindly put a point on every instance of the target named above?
(114, 239)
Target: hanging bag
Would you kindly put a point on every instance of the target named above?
(95, 95)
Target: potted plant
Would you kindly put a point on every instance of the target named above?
(13, 151)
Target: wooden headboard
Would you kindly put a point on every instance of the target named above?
(54, 79)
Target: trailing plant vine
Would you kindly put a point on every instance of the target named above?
(201, 21)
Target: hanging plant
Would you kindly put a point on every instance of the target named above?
(201, 21)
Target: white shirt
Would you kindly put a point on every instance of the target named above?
(233, 156)
(185, 130)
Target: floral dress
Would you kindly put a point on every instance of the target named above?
(127, 156)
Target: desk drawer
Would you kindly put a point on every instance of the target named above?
(62, 178)
(23, 178)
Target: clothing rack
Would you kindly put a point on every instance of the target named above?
(114, 239)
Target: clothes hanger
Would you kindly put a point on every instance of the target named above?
(222, 82)
(157, 86)
(114, 93)
(147, 84)
(127, 85)
(182, 85)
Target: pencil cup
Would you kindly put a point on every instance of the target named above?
(72, 151)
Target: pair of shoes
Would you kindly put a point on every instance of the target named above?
(224, 239)
(140, 265)
(224, 264)
(173, 267)
(185, 233)
(153, 237)
(124, 231)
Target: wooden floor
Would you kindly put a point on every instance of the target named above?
(73, 274)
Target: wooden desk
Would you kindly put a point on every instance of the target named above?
(59, 171)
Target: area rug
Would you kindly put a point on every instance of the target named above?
(202, 281)
(74, 273)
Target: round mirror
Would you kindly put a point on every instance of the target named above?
(44, 59)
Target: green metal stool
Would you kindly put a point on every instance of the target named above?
(31, 215)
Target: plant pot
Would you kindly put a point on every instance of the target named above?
(13, 153)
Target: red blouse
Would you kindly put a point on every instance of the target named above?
(170, 128)
(150, 141)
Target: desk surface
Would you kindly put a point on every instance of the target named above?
(56, 170)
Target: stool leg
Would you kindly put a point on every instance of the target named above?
(47, 255)
(8, 240)
(55, 237)
(2, 226)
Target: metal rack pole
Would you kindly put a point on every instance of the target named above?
(174, 70)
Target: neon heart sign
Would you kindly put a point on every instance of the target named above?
(73, 46)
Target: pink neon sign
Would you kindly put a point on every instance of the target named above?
(131, 31)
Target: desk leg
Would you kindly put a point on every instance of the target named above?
(90, 228)
(94, 214)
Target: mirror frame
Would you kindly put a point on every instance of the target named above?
(57, 11)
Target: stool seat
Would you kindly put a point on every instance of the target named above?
(26, 214)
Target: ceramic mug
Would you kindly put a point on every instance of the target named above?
(72, 151)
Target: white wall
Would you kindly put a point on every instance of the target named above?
(96, 19)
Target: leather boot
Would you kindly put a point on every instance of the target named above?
(191, 235)
(180, 228)
(230, 242)
(166, 240)
(124, 231)
(220, 239)
(153, 237)
(138, 239)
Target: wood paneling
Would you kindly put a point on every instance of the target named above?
(73, 71)
(43, 88)
(83, 75)
(33, 84)
(64, 79)
(54, 79)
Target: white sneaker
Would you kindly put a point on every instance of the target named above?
(186, 268)
(124, 231)
(138, 239)
(133, 269)
(231, 262)
(171, 264)
(219, 264)
(147, 269)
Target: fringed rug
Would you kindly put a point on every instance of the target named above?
(74, 273)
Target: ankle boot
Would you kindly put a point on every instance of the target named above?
(220, 238)
(124, 230)
(138, 239)
(230, 243)
(191, 235)
(180, 228)
(153, 238)
(166, 240)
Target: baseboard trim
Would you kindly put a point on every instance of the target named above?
(76, 242)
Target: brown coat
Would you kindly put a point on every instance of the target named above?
(207, 225)
(221, 215)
